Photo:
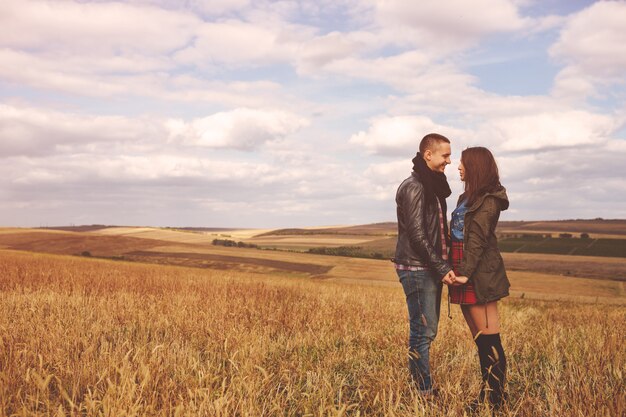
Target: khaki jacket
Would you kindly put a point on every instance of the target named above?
(482, 262)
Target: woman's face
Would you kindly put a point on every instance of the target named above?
(462, 170)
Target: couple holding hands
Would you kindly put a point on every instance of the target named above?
(465, 257)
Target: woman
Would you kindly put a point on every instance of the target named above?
(475, 256)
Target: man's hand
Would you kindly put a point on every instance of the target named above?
(460, 280)
(448, 278)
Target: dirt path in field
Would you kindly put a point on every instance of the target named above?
(191, 259)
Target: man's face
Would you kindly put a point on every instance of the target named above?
(439, 157)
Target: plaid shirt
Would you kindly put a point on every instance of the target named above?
(444, 247)
(401, 267)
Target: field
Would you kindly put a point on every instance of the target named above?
(596, 228)
(563, 277)
(565, 246)
(95, 337)
(188, 328)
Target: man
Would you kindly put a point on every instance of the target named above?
(421, 251)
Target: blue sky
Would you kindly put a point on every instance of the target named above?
(268, 114)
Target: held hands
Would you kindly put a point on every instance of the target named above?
(448, 278)
(451, 279)
(460, 280)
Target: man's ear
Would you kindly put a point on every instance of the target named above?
(428, 154)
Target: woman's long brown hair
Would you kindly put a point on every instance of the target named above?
(481, 173)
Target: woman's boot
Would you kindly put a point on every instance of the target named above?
(493, 368)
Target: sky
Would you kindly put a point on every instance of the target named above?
(267, 114)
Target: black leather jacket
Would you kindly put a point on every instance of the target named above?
(419, 233)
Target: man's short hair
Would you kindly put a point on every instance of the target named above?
(431, 140)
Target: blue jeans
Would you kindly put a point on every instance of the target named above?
(423, 299)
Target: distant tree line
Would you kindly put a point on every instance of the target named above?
(569, 235)
(232, 243)
(300, 232)
(539, 236)
(350, 251)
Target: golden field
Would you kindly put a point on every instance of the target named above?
(87, 336)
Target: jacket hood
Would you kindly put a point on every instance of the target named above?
(499, 193)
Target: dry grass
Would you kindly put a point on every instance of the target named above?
(93, 337)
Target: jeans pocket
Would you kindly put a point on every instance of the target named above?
(409, 282)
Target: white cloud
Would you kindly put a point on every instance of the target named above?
(113, 49)
(239, 43)
(243, 129)
(446, 25)
(115, 172)
(90, 28)
(384, 178)
(593, 46)
(399, 70)
(394, 169)
(316, 53)
(595, 40)
(32, 131)
(162, 167)
(72, 77)
(35, 132)
(205, 7)
(571, 83)
(24, 68)
(399, 135)
(566, 183)
(160, 183)
(78, 47)
(552, 130)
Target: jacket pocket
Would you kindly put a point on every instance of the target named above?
(490, 262)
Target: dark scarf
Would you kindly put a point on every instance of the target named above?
(435, 185)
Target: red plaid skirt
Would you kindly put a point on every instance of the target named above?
(461, 294)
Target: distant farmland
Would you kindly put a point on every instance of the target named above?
(537, 275)
(384, 248)
(379, 240)
(595, 227)
(565, 246)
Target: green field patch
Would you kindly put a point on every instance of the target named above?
(565, 246)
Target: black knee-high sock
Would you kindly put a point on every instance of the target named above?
(493, 365)
(483, 365)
